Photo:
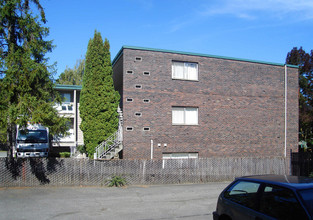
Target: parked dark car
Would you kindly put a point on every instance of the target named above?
(266, 197)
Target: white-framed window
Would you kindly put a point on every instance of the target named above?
(180, 156)
(184, 70)
(184, 116)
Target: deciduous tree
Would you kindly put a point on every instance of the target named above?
(305, 61)
(73, 76)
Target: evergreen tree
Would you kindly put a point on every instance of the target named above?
(98, 100)
(73, 76)
(305, 61)
(26, 83)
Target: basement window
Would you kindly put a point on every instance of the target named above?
(129, 128)
(138, 86)
(146, 73)
(190, 155)
(129, 72)
(138, 58)
(146, 128)
(129, 99)
(146, 100)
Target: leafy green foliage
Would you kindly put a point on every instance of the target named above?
(81, 149)
(98, 100)
(73, 76)
(305, 61)
(65, 154)
(117, 181)
(27, 93)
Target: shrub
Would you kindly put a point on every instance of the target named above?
(82, 149)
(117, 181)
(65, 154)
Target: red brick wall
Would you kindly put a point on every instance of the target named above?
(240, 106)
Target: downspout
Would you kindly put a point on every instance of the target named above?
(151, 149)
(286, 90)
(75, 119)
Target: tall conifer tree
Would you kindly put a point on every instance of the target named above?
(98, 100)
(26, 93)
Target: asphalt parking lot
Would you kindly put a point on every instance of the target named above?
(161, 202)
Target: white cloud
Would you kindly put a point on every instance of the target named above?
(249, 9)
(277, 12)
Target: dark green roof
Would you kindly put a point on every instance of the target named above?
(68, 87)
(194, 54)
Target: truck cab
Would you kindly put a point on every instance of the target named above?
(32, 141)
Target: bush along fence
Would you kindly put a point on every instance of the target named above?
(85, 172)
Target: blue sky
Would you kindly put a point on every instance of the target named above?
(264, 30)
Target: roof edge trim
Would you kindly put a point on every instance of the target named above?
(197, 54)
(68, 87)
(118, 55)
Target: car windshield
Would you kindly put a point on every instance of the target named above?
(307, 196)
(32, 136)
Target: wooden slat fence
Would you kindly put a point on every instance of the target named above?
(76, 172)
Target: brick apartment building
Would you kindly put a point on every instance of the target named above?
(186, 105)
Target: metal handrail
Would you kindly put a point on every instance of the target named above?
(105, 147)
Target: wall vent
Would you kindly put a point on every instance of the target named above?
(138, 114)
(138, 86)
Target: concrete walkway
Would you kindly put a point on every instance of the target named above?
(191, 201)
